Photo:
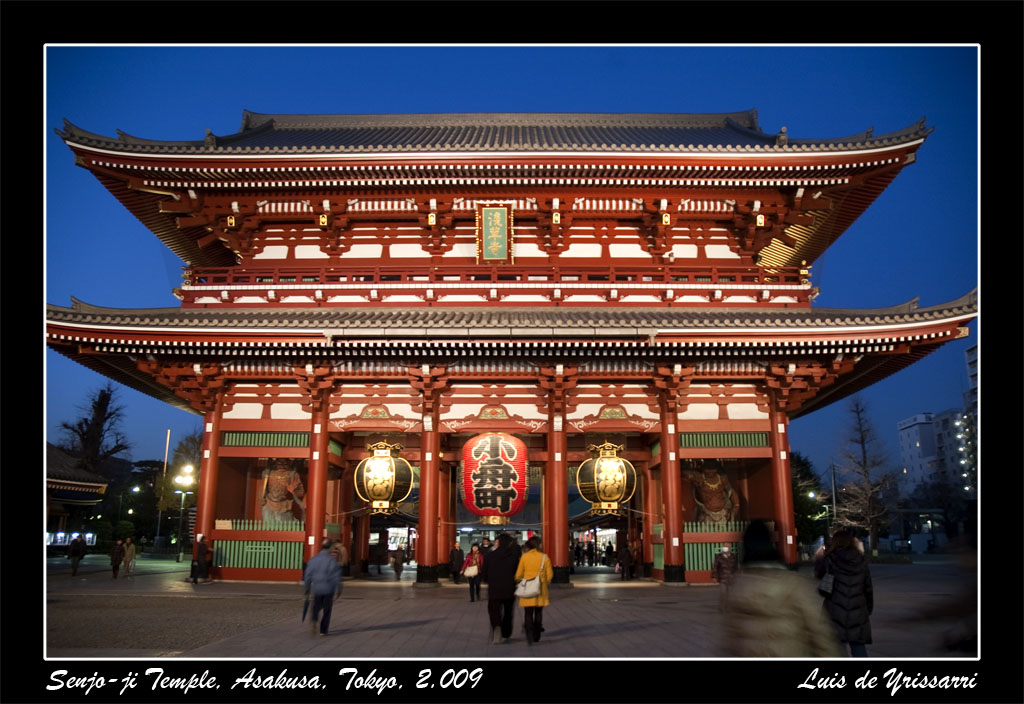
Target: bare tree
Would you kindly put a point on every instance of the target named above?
(97, 436)
(867, 488)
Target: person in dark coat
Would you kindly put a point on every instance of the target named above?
(499, 572)
(202, 568)
(724, 572)
(116, 556)
(455, 559)
(625, 562)
(851, 602)
(486, 546)
(76, 551)
(590, 554)
(323, 579)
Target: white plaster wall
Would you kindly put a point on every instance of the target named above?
(364, 251)
(528, 249)
(462, 298)
(684, 251)
(640, 299)
(244, 411)
(310, 251)
(462, 410)
(628, 250)
(402, 299)
(297, 299)
(467, 249)
(700, 411)
(273, 252)
(408, 251)
(526, 298)
(348, 299)
(719, 251)
(744, 411)
(739, 299)
(582, 249)
(250, 299)
(585, 298)
(289, 411)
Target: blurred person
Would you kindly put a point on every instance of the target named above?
(76, 551)
(724, 572)
(471, 568)
(533, 563)
(485, 547)
(129, 557)
(202, 571)
(499, 571)
(116, 556)
(851, 602)
(323, 581)
(455, 559)
(398, 560)
(625, 562)
(772, 611)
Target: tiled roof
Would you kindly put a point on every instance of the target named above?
(494, 132)
(525, 322)
(62, 466)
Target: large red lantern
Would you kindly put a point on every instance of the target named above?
(494, 481)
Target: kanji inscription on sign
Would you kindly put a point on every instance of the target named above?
(494, 479)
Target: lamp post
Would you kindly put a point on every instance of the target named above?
(120, 501)
(184, 479)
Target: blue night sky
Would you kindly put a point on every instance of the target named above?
(920, 238)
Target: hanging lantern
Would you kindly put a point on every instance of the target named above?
(494, 481)
(606, 480)
(383, 479)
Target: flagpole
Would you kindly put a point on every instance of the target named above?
(163, 476)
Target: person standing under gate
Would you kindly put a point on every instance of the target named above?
(499, 571)
(202, 566)
(532, 563)
(323, 580)
(471, 568)
(455, 559)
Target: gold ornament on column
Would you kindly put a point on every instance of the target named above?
(606, 480)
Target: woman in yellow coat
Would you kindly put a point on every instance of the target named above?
(531, 563)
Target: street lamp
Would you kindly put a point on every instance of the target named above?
(184, 479)
(120, 501)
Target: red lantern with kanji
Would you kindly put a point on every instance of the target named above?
(494, 481)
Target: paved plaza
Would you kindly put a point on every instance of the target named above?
(158, 613)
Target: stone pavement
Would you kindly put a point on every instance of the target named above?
(599, 617)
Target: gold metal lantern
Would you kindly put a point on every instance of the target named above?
(383, 479)
(606, 480)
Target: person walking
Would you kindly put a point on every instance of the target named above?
(485, 546)
(625, 562)
(398, 561)
(129, 557)
(533, 563)
(455, 559)
(499, 571)
(772, 611)
(851, 602)
(471, 568)
(590, 554)
(323, 581)
(116, 556)
(202, 568)
(76, 551)
(723, 572)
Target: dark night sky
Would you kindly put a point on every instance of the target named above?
(919, 239)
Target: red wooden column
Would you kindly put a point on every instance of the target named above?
(206, 499)
(652, 517)
(671, 383)
(316, 381)
(430, 382)
(558, 380)
(361, 544)
(782, 486)
(345, 508)
(316, 491)
(672, 492)
(444, 497)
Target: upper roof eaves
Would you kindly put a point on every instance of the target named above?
(491, 132)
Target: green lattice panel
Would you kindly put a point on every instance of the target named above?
(724, 440)
(231, 438)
